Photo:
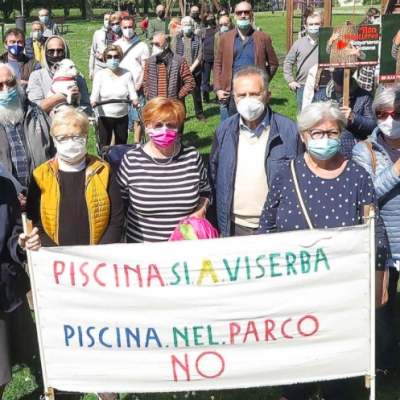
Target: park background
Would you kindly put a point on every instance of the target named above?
(27, 381)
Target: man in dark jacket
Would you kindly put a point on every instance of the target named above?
(14, 43)
(247, 150)
(360, 117)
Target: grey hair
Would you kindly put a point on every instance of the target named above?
(14, 76)
(187, 19)
(315, 15)
(389, 97)
(252, 70)
(315, 113)
(166, 37)
(37, 23)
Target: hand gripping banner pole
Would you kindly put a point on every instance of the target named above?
(48, 391)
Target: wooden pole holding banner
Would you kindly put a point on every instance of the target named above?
(370, 381)
(346, 87)
(48, 391)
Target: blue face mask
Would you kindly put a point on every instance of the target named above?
(224, 29)
(15, 50)
(37, 35)
(113, 63)
(323, 149)
(313, 31)
(44, 19)
(8, 98)
(116, 28)
(187, 30)
(243, 23)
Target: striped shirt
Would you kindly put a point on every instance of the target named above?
(158, 194)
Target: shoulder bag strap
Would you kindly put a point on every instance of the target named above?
(372, 154)
(306, 58)
(299, 195)
(240, 48)
(130, 48)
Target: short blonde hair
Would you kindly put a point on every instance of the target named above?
(70, 117)
(113, 47)
(116, 17)
(161, 109)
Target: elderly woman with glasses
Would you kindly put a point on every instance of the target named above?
(74, 198)
(113, 83)
(334, 191)
(380, 156)
(163, 181)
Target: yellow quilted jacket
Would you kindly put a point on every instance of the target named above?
(98, 202)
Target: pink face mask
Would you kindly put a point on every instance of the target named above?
(163, 137)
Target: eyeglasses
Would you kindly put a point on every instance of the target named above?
(114, 23)
(157, 44)
(226, 24)
(383, 115)
(319, 133)
(241, 12)
(51, 52)
(8, 84)
(168, 125)
(112, 57)
(79, 137)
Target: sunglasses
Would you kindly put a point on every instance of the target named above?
(52, 51)
(8, 84)
(241, 12)
(383, 115)
(112, 57)
(114, 23)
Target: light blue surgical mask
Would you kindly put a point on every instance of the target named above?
(243, 23)
(187, 30)
(37, 35)
(224, 29)
(44, 19)
(9, 97)
(113, 63)
(313, 31)
(323, 149)
(116, 28)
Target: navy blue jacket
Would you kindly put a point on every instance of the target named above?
(14, 282)
(282, 146)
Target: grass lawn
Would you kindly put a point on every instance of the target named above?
(27, 384)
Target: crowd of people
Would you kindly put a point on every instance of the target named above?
(266, 174)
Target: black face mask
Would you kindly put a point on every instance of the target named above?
(210, 21)
(195, 15)
(54, 59)
(161, 14)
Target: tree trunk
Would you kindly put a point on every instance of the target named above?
(146, 6)
(89, 10)
(83, 9)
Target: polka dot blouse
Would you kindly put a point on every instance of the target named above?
(331, 203)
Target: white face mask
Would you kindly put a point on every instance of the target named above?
(250, 109)
(156, 50)
(390, 128)
(71, 151)
(128, 32)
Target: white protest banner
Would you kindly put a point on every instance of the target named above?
(209, 314)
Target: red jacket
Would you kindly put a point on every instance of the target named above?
(264, 57)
